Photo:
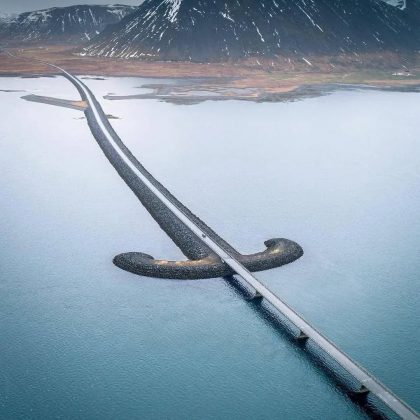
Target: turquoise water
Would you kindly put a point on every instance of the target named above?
(82, 339)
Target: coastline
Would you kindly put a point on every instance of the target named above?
(244, 81)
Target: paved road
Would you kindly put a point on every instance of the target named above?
(367, 381)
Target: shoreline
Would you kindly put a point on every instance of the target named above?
(195, 90)
(198, 82)
(299, 93)
(281, 74)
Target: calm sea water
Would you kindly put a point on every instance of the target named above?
(82, 339)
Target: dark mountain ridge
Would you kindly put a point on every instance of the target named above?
(215, 30)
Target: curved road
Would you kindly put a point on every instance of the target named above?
(306, 331)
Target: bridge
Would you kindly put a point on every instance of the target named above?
(109, 141)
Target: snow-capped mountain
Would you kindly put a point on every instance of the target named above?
(4, 17)
(61, 24)
(208, 30)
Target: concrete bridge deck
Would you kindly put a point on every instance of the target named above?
(367, 381)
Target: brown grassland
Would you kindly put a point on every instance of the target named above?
(268, 76)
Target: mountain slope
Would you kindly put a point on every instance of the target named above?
(413, 11)
(212, 30)
(61, 24)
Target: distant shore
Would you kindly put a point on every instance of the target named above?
(255, 80)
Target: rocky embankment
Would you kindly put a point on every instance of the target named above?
(202, 261)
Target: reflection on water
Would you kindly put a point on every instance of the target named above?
(192, 91)
(80, 338)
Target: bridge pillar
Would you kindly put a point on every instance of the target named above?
(361, 394)
(302, 337)
(362, 391)
(256, 296)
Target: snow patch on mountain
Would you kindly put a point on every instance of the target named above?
(214, 30)
(401, 4)
(173, 9)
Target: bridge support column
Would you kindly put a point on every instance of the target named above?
(302, 337)
(256, 296)
(363, 391)
(361, 394)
